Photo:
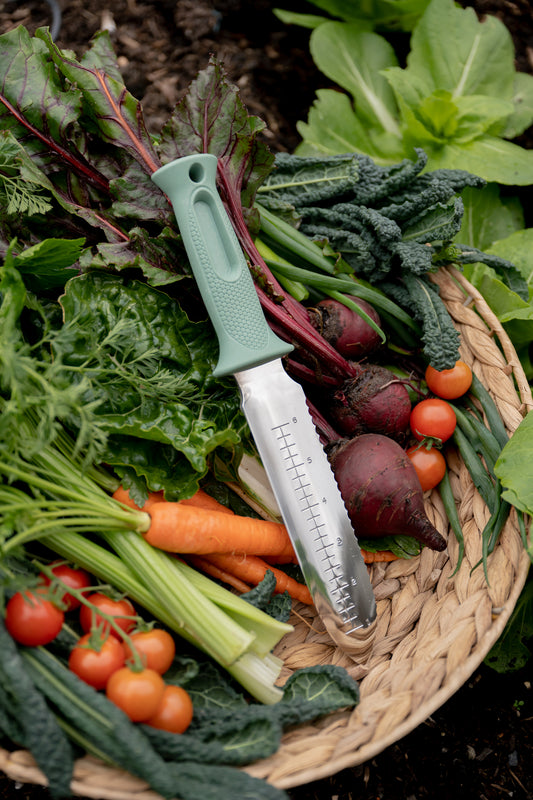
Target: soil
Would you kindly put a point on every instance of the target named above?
(479, 745)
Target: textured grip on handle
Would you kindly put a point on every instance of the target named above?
(218, 264)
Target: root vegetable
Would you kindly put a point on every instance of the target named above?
(381, 490)
(345, 329)
(373, 402)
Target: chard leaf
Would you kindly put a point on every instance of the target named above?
(211, 118)
(513, 467)
(33, 101)
(354, 60)
(116, 113)
(149, 369)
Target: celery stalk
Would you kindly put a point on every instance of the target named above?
(168, 583)
(268, 630)
(255, 674)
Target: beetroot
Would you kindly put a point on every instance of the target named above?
(344, 328)
(375, 401)
(381, 490)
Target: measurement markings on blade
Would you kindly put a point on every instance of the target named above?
(304, 491)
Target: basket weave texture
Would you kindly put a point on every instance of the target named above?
(434, 625)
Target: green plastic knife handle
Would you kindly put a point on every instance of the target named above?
(218, 264)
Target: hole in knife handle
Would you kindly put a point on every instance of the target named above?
(196, 173)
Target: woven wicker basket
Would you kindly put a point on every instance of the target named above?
(433, 627)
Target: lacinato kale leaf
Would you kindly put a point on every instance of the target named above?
(226, 730)
(26, 716)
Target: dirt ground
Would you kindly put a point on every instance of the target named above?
(479, 745)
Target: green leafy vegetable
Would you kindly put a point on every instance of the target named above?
(512, 650)
(459, 97)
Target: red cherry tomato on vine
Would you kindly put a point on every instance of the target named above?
(432, 419)
(74, 578)
(96, 665)
(430, 465)
(31, 619)
(137, 692)
(115, 608)
(175, 711)
(449, 383)
(155, 647)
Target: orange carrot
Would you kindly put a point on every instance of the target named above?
(252, 569)
(200, 500)
(123, 496)
(381, 555)
(204, 565)
(179, 528)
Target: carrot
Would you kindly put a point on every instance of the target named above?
(179, 528)
(200, 500)
(123, 496)
(205, 565)
(381, 555)
(252, 569)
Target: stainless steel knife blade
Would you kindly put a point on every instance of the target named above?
(274, 405)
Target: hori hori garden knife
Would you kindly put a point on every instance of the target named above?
(274, 405)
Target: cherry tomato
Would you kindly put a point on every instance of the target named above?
(31, 619)
(95, 665)
(175, 711)
(449, 383)
(115, 608)
(74, 578)
(137, 692)
(155, 647)
(433, 418)
(430, 465)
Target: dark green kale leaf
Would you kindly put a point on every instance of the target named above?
(440, 337)
(26, 715)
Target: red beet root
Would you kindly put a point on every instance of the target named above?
(381, 490)
(344, 328)
(374, 402)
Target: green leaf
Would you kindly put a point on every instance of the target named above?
(333, 128)
(354, 59)
(211, 118)
(149, 368)
(452, 50)
(512, 467)
(40, 731)
(493, 159)
(488, 216)
(522, 116)
(313, 691)
(49, 264)
(511, 651)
